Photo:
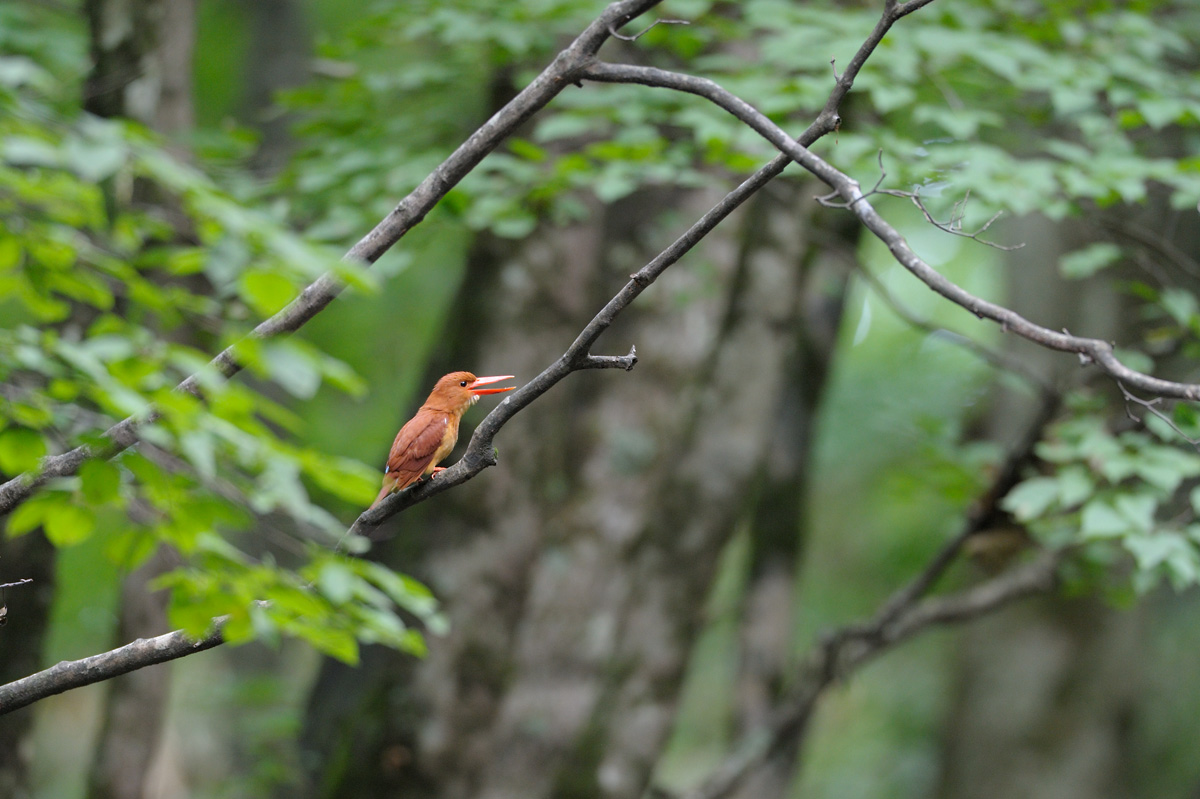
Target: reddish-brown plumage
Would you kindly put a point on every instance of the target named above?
(429, 436)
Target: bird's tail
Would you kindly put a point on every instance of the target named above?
(388, 485)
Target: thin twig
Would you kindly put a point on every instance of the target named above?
(631, 38)
(957, 212)
(1150, 405)
(954, 226)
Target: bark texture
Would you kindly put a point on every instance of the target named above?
(777, 532)
(142, 61)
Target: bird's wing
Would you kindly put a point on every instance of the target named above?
(414, 449)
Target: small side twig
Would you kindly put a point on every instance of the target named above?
(954, 225)
(1151, 406)
(612, 29)
(626, 362)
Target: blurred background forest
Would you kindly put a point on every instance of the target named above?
(651, 574)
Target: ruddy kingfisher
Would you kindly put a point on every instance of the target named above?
(429, 436)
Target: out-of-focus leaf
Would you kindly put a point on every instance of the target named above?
(66, 524)
(100, 480)
(266, 292)
(1089, 260)
(292, 368)
(21, 449)
(1032, 498)
(337, 582)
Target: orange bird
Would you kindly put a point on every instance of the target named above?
(429, 436)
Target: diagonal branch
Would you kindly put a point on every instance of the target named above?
(1090, 350)
(480, 453)
(562, 72)
(77, 673)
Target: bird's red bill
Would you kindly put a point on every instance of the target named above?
(483, 381)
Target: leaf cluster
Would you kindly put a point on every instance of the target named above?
(121, 270)
(1134, 488)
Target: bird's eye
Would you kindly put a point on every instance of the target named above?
(463, 383)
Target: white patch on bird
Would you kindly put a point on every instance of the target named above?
(474, 398)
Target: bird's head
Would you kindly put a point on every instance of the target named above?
(460, 390)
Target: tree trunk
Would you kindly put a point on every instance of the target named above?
(142, 61)
(142, 69)
(22, 638)
(136, 704)
(278, 60)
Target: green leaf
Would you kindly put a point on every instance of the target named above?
(66, 524)
(338, 644)
(1167, 549)
(1089, 260)
(337, 582)
(1101, 520)
(238, 629)
(1032, 498)
(129, 549)
(342, 376)
(21, 449)
(28, 516)
(1138, 509)
(10, 253)
(1075, 484)
(198, 447)
(293, 368)
(266, 292)
(101, 481)
(1180, 305)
